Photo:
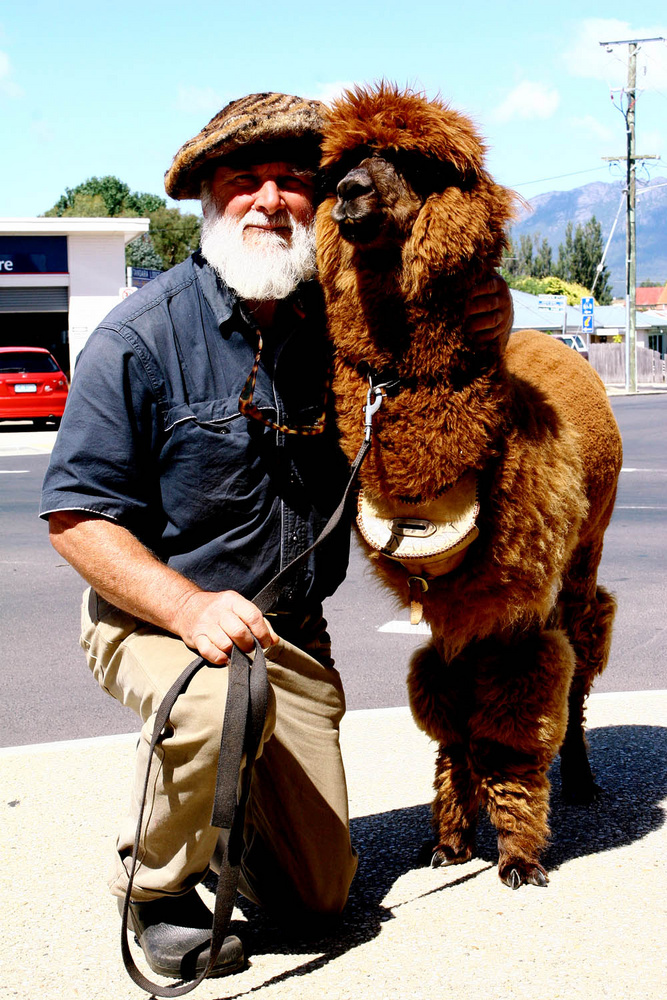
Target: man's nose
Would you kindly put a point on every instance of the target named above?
(269, 197)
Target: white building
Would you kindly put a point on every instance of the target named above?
(59, 277)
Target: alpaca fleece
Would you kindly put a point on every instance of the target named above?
(520, 629)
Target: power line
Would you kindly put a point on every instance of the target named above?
(556, 177)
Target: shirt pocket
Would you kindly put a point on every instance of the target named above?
(212, 462)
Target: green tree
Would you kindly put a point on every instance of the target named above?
(109, 191)
(550, 285)
(579, 257)
(172, 236)
(542, 262)
(141, 253)
(531, 257)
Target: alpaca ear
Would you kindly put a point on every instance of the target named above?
(457, 230)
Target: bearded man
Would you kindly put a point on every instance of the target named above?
(197, 457)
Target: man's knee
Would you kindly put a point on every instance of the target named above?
(327, 896)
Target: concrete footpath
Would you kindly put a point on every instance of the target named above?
(598, 930)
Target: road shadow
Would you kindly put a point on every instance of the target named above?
(628, 762)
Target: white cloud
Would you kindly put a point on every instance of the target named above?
(8, 87)
(199, 100)
(592, 126)
(528, 100)
(585, 57)
(328, 92)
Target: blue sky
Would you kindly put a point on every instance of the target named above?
(92, 89)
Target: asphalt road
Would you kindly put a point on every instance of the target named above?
(49, 695)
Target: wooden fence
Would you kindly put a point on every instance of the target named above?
(609, 362)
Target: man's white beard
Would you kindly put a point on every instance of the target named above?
(266, 266)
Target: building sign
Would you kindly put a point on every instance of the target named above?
(33, 255)
(552, 302)
(140, 276)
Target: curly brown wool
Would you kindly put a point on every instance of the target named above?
(410, 223)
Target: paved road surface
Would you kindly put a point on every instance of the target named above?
(49, 694)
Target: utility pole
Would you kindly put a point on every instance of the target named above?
(631, 191)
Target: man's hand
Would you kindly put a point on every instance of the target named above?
(212, 623)
(489, 312)
(124, 572)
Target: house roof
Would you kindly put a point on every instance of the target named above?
(650, 296)
(527, 316)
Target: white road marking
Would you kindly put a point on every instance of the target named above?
(405, 628)
(660, 472)
(623, 506)
(12, 472)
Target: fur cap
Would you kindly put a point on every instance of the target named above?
(258, 119)
(385, 118)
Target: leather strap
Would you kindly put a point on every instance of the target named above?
(243, 725)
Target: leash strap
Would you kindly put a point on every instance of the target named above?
(243, 725)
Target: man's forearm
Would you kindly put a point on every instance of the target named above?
(121, 569)
(126, 573)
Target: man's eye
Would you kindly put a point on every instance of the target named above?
(293, 183)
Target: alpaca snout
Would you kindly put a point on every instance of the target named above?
(356, 197)
(355, 185)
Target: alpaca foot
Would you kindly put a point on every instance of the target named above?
(581, 791)
(446, 855)
(516, 872)
(579, 787)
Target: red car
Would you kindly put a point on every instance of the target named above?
(32, 385)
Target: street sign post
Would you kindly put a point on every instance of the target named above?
(588, 314)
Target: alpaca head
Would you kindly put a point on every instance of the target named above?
(404, 173)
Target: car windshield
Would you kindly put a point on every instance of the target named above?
(26, 361)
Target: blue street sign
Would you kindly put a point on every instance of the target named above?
(587, 306)
(587, 323)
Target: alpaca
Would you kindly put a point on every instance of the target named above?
(409, 222)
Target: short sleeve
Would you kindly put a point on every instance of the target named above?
(104, 457)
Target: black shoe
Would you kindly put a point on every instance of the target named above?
(174, 933)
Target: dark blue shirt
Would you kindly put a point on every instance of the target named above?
(152, 437)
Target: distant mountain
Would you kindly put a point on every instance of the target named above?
(550, 213)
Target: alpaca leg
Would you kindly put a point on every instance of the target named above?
(455, 808)
(589, 626)
(516, 729)
(439, 695)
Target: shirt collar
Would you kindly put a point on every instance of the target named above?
(220, 298)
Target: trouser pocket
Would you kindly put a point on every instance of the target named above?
(103, 628)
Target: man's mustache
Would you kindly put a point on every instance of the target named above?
(279, 220)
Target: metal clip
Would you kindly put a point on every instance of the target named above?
(373, 404)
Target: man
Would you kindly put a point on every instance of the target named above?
(177, 501)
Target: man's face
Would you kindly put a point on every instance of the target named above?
(258, 232)
(264, 192)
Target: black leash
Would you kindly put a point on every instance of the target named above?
(243, 725)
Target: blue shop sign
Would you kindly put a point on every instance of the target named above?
(33, 255)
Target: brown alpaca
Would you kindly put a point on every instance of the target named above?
(410, 222)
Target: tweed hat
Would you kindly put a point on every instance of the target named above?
(281, 123)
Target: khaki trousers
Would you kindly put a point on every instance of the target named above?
(298, 853)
